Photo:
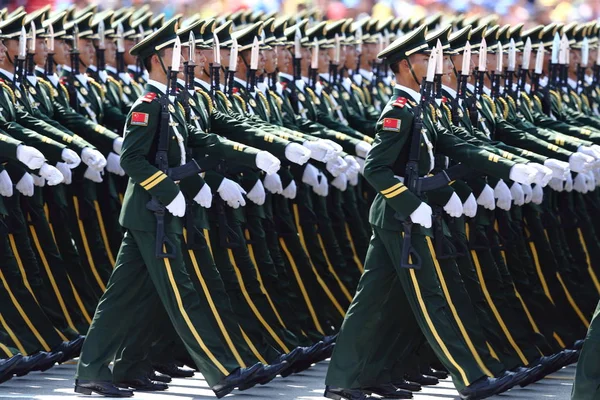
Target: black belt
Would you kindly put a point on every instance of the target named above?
(441, 179)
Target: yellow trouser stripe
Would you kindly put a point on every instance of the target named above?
(589, 263)
(488, 297)
(259, 277)
(6, 350)
(392, 188)
(111, 258)
(252, 305)
(156, 182)
(333, 272)
(150, 179)
(15, 251)
(434, 332)
(529, 316)
(492, 352)
(311, 310)
(213, 309)
(61, 302)
(319, 279)
(23, 314)
(80, 302)
(207, 237)
(252, 347)
(461, 327)
(86, 246)
(572, 302)
(47, 212)
(538, 268)
(187, 320)
(12, 335)
(357, 260)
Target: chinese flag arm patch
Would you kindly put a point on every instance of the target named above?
(140, 118)
(391, 124)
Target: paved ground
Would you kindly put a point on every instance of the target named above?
(57, 383)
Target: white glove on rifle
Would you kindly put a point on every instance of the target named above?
(93, 175)
(319, 150)
(591, 181)
(502, 193)
(30, 156)
(310, 175)
(25, 185)
(486, 198)
(6, 184)
(113, 164)
(516, 191)
(470, 206)
(257, 194)
(118, 145)
(560, 169)
(177, 206)
(522, 173)
(204, 196)
(537, 195)
(336, 166)
(66, 172)
(569, 183)
(273, 184)
(580, 184)
(353, 167)
(267, 162)
(336, 147)
(38, 181)
(51, 175)
(544, 174)
(528, 192)
(422, 215)
(70, 158)
(557, 184)
(454, 206)
(232, 193)
(362, 149)
(590, 151)
(341, 182)
(322, 189)
(290, 191)
(297, 153)
(579, 162)
(93, 159)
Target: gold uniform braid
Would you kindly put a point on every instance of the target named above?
(265, 102)
(10, 91)
(208, 99)
(119, 86)
(504, 107)
(239, 98)
(51, 91)
(99, 87)
(491, 103)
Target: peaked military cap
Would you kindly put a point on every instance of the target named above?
(532, 34)
(279, 27)
(90, 8)
(491, 38)
(236, 18)
(17, 11)
(83, 24)
(58, 25)
(224, 33)
(515, 33)
(141, 25)
(37, 17)
(546, 36)
(107, 17)
(207, 31)
(160, 39)
(458, 40)
(290, 31)
(245, 37)
(128, 32)
(335, 28)
(11, 27)
(412, 43)
(442, 35)
(157, 22)
(196, 29)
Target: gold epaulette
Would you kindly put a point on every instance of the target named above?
(557, 97)
(313, 95)
(52, 92)
(10, 91)
(448, 112)
(208, 99)
(512, 102)
(265, 102)
(119, 86)
(356, 88)
(278, 100)
(504, 106)
(577, 99)
(64, 89)
(225, 99)
(239, 98)
(98, 86)
(527, 99)
(538, 101)
(433, 113)
(328, 98)
(181, 108)
(585, 99)
(490, 102)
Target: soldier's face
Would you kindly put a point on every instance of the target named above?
(350, 60)
(575, 60)
(61, 51)
(225, 54)
(370, 50)
(262, 60)
(128, 58)
(447, 70)
(12, 48)
(87, 52)
(41, 52)
(270, 61)
(284, 59)
(419, 64)
(110, 53)
(324, 60)
(200, 60)
(491, 62)
(2, 52)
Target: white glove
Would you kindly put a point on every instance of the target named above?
(297, 153)
(470, 206)
(537, 195)
(204, 196)
(362, 149)
(353, 167)
(322, 189)
(590, 151)
(319, 150)
(486, 198)
(257, 194)
(579, 162)
(454, 206)
(560, 169)
(6, 185)
(591, 181)
(232, 193)
(93, 175)
(311, 175)
(422, 215)
(543, 176)
(596, 173)
(177, 206)
(113, 164)
(569, 183)
(273, 184)
(579, 184)
(118, 145)
(361, 163)
(70, 158)
(336, 147)
(336, 166)
(267, 162)
(51, 175)
(25, 185)
(522, 173)
(557, 184)
(38, 181)
(93, 159)
(290, 191)
(341, 182)
(516, 191)
(528, 192)
(502, 193)
(66, 172)
(30, 156)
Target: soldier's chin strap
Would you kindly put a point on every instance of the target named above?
(413, 73)
(454, 68)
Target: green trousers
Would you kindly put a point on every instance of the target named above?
(139, 282)
(587, 377)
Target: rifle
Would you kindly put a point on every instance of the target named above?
(297, 65)
(120, 49)
(100, 60)
(49, 67)
(164, 247)
(215, 69)
(74, 56)
(461, 84)
(31, 53)
(188, 71)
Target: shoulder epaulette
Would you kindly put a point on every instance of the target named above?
(207, 98)
(448, 112)
(400, 102)
(98, 86)
(360, 92)
(490, 102)
(52, 92)
(225, 99)
(265, 102)
(148, 97)
(10, 91)
(557, 97)
(119, 85)
(241, 100)
(504, 107)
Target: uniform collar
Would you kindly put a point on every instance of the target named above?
(200, 82)
(415, 96)
(9, 75)
(162, 88)
(451, 92)
(285, 76)
(111, 69)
